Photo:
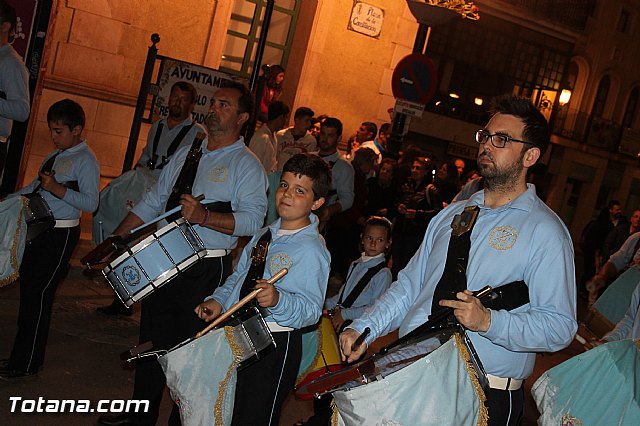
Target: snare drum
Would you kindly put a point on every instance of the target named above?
(38, 215)
(320, 355)
(416, 385)
(154, 261)
(379, 365)
(201, 372)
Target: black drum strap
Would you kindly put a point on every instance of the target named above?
(47, 167)
(187, 176)
(153, 161)
(454, 276)
(258, 263)
(357, 290)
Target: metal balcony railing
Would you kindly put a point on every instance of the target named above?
(572, 13)
(596, 131)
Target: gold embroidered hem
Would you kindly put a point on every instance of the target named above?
(15, 262)
(235, 348)
(483, 416)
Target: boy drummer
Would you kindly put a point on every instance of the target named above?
(68, 182)
(294, 302)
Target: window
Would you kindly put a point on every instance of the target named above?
(630, 111)
(244, 31)
(491, 57)
(623, 21)
(601, 96)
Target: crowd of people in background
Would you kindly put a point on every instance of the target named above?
(408, 188)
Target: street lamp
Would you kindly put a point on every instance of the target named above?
(565, 97)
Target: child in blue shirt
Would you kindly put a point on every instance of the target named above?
(293, 302)
(376, 240)
(69, 182)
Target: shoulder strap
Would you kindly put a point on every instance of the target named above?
(187, 176)
(179, 137)
(154, 149)
(357, 290)
(454, 276)
(258, 263)
(47, 167)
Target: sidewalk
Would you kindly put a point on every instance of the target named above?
(83, 353)
(83, 356)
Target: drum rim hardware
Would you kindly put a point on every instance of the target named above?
(112, 272)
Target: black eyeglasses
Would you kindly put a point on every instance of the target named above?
(498, 140)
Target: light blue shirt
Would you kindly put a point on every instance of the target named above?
(77, 163)
(14, 83)
(231, 173)
(378, 284)
(342, 176)
(468, 189)
(522, 240)
(166, 138)
(627, 253)
(629, 326)
(302, 290)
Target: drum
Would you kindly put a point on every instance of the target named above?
(12, 238)
(201, 372)
(117, 198)
(379, 365)
(320, 355)
(598, 387)
(413, 387)
(154, 261)
(39, 216)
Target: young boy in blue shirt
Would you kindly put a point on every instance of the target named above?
(368, 276)
(68, 182)
(293, 302)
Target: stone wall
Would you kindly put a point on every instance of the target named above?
(96, 57)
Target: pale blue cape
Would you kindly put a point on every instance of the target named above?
(440, 389)
(13, 238)
(201, 377)
(598, 387)
(615, 300)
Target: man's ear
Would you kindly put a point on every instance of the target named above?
(243, 118)
(531, 156)
(317, 203)
(77, 130)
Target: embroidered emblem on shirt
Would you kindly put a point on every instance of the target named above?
(503, 237)
(278, 262)
(131, 275)
(63, 166)
(219, 174)
(569, 420)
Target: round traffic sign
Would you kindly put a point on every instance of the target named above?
(414, 79)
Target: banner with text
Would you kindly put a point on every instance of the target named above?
(206, 81)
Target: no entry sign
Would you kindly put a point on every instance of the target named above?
(414, 79)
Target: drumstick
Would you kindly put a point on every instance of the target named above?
(360, 339)
(281, 273)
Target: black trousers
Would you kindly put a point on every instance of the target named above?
(263, 386)
(45, 262)
(166, 319)
(506, 408)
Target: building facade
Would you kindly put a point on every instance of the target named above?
(339, 57)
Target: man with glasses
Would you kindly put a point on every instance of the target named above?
(516, 237)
